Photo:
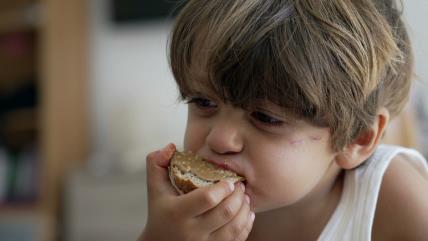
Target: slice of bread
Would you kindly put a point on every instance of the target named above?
(187, 171)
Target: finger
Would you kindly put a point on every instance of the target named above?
(203, 199)
(247, 229)
(166, 154)
(157, 173)
(226, 210)
(233, 229)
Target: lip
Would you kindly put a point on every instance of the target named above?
(224, 165)
(221, 165)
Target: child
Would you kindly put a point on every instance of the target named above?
(295, 95)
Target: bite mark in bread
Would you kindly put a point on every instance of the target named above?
(187, 171)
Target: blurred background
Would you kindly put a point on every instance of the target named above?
(86, 93)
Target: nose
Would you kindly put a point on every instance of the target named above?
(225, 136)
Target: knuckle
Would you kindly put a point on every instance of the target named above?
(240, 238)
(227, 212)
(150, 161)
(235, 230)
(210, 198)
(244, 234)
(151, 155)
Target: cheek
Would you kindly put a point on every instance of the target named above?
(194, 134)
(286, 174)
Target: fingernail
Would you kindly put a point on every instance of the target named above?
(231, 186)
(252, 216)
(156, 155)
(159, 159)
(167, 152)
(168, 147)
(247, 199)
(242, 186)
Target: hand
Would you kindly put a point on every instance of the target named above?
(217, 212)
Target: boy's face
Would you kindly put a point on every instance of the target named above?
(284, 160)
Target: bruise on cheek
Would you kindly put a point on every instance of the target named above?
(297, 142)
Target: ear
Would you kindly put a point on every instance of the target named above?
(365, 144)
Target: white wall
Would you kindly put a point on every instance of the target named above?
(134, 107)
(416, 15)
(133, 92)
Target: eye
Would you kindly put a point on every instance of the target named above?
(266, 119)
(201, 103)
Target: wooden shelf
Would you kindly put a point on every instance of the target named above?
(23, 119)
(60, 119)
(23, 208)
(21, 19)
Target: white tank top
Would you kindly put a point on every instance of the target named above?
(353, 218)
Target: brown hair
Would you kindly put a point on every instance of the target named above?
(332, 62)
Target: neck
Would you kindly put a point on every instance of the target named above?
(305, 219)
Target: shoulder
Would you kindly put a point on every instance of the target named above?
(401, 212)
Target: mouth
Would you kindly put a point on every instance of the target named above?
(225, 166)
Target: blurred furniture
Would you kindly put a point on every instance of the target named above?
(58, 123)
(107, 208)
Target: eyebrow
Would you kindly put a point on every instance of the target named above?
(196, 90)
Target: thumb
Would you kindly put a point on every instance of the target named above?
(157, 172)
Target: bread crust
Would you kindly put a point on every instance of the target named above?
(182, 185)
(187, 180)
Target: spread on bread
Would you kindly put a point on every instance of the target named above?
(188, 171)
